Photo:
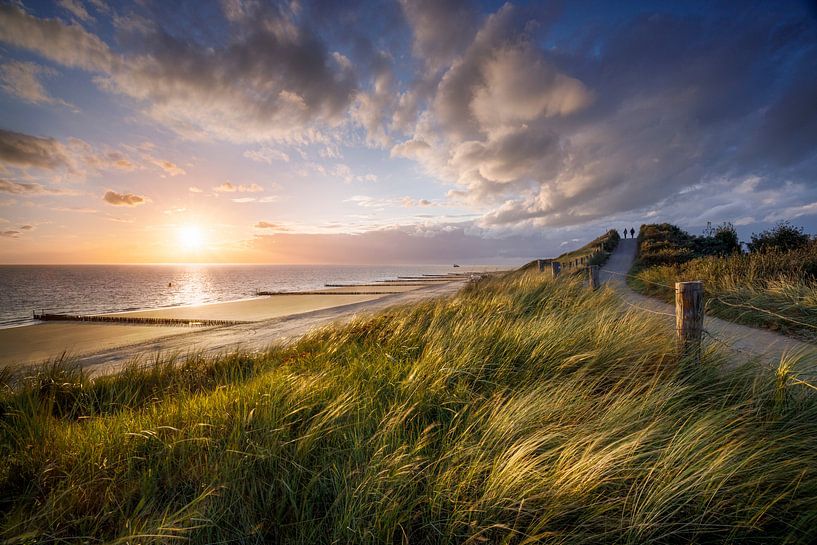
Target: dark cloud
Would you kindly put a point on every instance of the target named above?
(24, 150)
(539, 125)
(441, 29)
(632, 116)
(10, 234)
(31, 189)
(123, 199)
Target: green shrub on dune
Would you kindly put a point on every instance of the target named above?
(522, 410)
(774, 287)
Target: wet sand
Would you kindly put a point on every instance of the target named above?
(252, 310)
(37, 343)
(41, 342)
(384, 288)
(104, 347)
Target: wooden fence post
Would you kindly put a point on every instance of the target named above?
(593, 277)
(689, 318)
(555, 269)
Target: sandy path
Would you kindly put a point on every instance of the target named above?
(765, 345)
(257, 335)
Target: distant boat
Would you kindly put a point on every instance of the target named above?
(456, 265)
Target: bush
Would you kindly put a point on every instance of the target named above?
(782, 237)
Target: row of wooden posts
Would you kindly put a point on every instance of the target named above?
(689, 308)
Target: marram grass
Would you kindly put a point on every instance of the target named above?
(522, 410)
(774, 290)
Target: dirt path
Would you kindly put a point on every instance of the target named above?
(255, 336)
(765, 345)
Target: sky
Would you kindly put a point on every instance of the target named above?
(396, 132)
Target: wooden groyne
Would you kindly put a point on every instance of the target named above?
(135, 320)
(259, 293)
(380, 285)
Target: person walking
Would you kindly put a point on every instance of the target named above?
(632, 232)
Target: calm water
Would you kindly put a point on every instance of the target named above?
(113, 288)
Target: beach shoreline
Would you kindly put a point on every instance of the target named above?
(32, 344)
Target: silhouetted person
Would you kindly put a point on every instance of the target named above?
(632, 232)
(625, 233)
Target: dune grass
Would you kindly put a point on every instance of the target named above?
(773, 290)
(522, 410)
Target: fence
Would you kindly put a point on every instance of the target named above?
(135, 320)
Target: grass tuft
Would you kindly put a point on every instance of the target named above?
(521, 410)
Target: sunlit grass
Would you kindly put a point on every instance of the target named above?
(775, 290)
(521, 410)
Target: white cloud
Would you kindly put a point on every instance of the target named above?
(76, 9)
(266, 154)
(22, 79)
(228, 187)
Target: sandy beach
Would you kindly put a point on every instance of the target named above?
(252, 310)
(37, 343)
(40, 342)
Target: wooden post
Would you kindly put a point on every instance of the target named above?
(689, 318)
(593, 277)
(555, 269)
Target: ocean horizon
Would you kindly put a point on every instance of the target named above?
(97, 289)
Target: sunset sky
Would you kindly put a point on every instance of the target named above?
(395, 132)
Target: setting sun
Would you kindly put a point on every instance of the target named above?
(191, 238)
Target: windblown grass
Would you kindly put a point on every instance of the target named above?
(522, 410)
(775, 290)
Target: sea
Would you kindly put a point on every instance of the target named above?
(93, 289)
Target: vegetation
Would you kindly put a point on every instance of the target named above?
(783, 237)
(667, 244)
(522, 410)
(606, 243)
(772, 288)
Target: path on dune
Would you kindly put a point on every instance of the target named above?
(255, 336)
(766, 345)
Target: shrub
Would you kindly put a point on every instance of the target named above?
(782, 237)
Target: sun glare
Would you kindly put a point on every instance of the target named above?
(191, 238)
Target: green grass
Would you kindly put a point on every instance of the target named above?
(522, 410)
(607, 242)
(773, 290)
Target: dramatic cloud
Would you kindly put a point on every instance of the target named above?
(74, 156)
(70, 45)
(645, 111)
(123, 199)
(528, 115)
(31, 151)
